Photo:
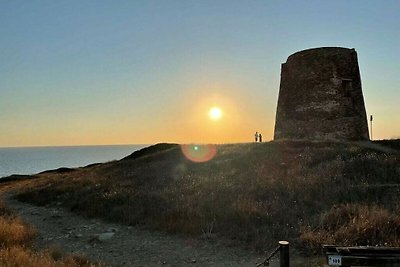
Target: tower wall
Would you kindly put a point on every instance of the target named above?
(320, 96)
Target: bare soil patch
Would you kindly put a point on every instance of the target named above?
(120, 245)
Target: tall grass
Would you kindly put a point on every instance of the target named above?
(13, 231)
(354, 224)
(17, 256)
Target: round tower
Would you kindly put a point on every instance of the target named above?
(320, 96)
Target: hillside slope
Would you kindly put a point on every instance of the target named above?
(254, 194)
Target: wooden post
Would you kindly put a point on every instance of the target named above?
(284, 253)
(371, 118)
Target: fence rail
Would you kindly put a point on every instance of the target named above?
(283, 250)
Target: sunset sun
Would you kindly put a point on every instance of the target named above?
(215, 113)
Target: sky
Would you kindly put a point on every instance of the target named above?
(141, 72)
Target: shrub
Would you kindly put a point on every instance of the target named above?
(15, 232)
(18, 256)
(353, 225)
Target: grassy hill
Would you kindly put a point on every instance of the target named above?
(254, 194)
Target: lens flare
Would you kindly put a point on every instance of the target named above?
(199, 153)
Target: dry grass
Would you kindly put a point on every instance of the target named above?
(18, 256)
(254, 194)
(13, 232)
(352, 225)
(5, 211)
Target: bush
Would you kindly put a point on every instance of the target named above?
(18, 256)
(353, 225)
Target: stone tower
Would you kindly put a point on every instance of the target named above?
(320, 96)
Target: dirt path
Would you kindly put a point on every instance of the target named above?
(119, 245)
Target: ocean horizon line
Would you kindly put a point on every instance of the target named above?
(72, 146)
(35, 159)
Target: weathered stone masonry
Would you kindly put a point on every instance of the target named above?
(320, 96)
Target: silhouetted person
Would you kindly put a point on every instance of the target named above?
(256, 136)
(260, 137)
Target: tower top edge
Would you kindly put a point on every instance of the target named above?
(327, 50)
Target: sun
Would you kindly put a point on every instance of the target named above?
(215, 113)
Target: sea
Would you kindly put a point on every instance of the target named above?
(31, 160)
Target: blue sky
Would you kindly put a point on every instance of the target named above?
(114, 72)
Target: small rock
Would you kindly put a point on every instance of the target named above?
(78, 235)
(194, 261)
(104, 236)
(111, 230)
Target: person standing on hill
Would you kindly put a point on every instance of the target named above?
(256, 136)
(260, 137)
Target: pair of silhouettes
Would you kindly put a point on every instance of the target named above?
(258, 137)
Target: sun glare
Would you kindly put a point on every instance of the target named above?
(215, 113)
